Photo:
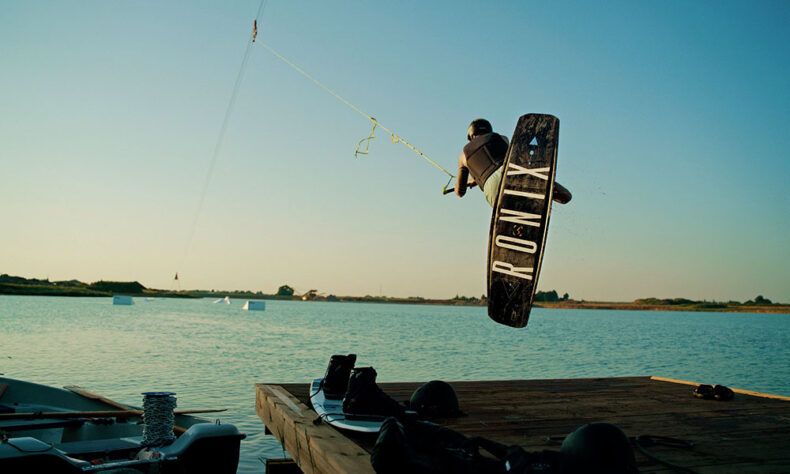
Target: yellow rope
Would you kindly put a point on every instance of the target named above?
(395, 138)
(367, 141)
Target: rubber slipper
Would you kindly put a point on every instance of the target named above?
(722, 393)
(704, 391)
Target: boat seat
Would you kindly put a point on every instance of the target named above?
(113, 447)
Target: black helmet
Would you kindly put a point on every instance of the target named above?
(597, 448)
(479, 126)
(435, 398)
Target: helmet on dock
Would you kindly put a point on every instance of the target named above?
(435, 398)
(597, 448)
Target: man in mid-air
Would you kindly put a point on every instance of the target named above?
(481, 163)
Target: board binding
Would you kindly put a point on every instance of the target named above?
(331, 411)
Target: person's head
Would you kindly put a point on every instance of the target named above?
(478, 127)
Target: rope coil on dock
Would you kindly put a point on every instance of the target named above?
(158, 418)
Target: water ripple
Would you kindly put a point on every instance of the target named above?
(211, 355)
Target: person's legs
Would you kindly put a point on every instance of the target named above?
(491, 186)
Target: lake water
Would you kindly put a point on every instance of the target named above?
(212, 354)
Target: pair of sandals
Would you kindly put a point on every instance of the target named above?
(715, 392)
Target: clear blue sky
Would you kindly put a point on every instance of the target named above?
(673, 140)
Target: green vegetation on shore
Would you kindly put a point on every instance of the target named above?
(757, 305)
(15, 285)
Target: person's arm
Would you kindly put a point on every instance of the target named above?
(561, 193)
(460, 181)
(463, 180)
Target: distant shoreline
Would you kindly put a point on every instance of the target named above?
(773, 309)
(12, 285)
(590, 305)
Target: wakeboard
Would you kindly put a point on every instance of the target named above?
(331, 411)
(520, 219)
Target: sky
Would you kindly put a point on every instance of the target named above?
(673, 140)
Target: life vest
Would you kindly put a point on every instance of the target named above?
(484, 155)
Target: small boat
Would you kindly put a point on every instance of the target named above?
(73, 430)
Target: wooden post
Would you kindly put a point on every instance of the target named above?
(317, 449)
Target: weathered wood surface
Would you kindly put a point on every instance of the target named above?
(281, 466)
(748, 434)
(95, 396)
(316, 448)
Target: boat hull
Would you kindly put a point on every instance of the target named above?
(49, 429)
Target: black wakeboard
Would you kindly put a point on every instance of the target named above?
(520, 219)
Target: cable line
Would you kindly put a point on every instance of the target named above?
(229, 110)
(395, 138)
(221, 137)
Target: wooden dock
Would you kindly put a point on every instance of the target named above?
(750, 433)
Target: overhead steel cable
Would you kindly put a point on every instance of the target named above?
(222, 130)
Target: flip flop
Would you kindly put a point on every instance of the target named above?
(722, 393)
(704, 391)
(715, 392)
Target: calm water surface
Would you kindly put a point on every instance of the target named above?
(212, 354)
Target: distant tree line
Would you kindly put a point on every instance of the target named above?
(758, 301)
(550, 296)
(10, 284)
(15, 285)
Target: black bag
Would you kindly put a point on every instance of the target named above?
(421, 447)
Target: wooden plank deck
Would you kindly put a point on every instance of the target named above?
(750, 433)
